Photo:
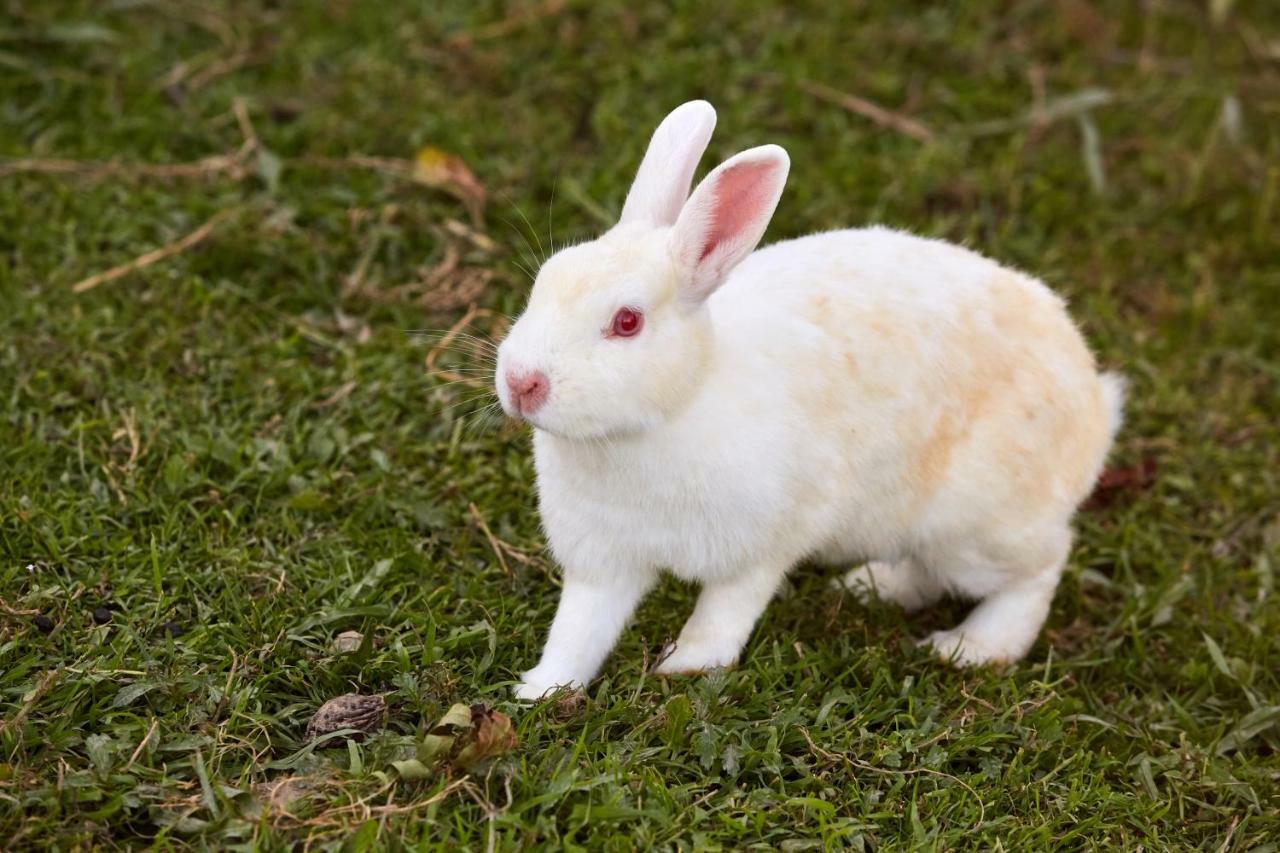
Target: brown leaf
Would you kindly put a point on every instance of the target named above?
(1118, 480)
(569, 704)
(367, 714)
(444, 171)
(491, 735)
(1084, 22)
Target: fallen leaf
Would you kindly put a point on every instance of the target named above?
(350, 711)
(1119, 480)
(440, 741)
(1083, 22)
(413, 769)
(492, 734)
(448, 172)
(465, 736)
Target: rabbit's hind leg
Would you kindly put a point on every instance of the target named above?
(1001, 629)
(1007, 620)
(905, 582)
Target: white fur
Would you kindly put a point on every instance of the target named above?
(851, 395)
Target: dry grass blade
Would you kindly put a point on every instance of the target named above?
(230, 165)
(343, 392)
(30, 700)
(193, 75)
(869, 110)
(493, 540)
(1043, 115)
(234, 166)
(443, 345)
(521, 17)
(155, 255)
(155, 724)
(387, 165)
(13, 611)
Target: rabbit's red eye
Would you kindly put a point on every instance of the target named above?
(627, 322)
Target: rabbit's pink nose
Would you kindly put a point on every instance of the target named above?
(528, 390)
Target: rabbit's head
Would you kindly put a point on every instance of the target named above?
(616, 337)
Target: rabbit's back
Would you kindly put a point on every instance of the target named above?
(946, 386)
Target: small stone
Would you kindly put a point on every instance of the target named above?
(102, 615)
(173, 629)
(348, 641)
(350, 711)
(43, 623)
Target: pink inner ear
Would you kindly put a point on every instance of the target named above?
(741, 195)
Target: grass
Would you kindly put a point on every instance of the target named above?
(235, 453)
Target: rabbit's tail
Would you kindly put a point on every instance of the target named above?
(1113, 394)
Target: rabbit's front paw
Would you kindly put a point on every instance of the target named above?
(539, 684)
(692, 658)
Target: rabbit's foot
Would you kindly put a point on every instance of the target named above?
(692, 658)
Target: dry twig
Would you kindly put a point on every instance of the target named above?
(232, 165)
(518, 19)
(443, 344)
(155, 724)
(155, 255)
(867, 109)
(493, 540)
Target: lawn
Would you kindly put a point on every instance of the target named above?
(232, 428)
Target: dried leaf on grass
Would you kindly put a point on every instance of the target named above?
(449, 172)
(492, 734)
(465, 736)
(1119, 480)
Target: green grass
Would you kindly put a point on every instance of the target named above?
(231, 441)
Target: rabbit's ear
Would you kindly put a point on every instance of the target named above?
(726, 216)
(662, 183)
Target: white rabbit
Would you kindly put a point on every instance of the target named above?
(724, 414)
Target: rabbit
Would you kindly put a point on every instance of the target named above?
(724, 413)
